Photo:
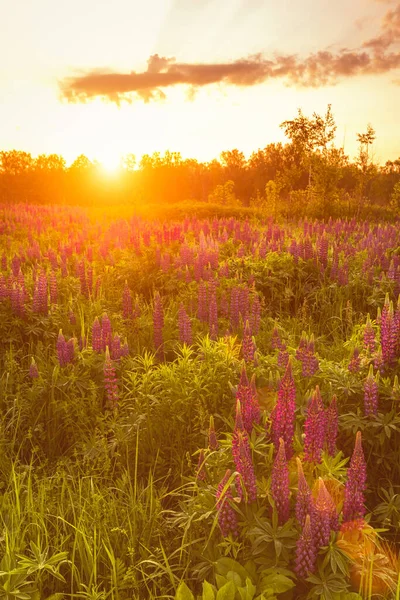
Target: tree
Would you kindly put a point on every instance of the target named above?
(365, 163)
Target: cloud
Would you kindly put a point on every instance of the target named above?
(376, 56)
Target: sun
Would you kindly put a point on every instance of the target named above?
(110, 162)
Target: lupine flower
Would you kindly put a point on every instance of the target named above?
(158, 323)
(212, 436)
(248, 346)
(213, 314)
(70, 350)
(353, 507)
(371, 391)
(276, 341)
(355, 362)
(53, 288)
(234, 307)
(379, 362)
(202, 311)
(314, 428)
(125, 348)
(227, 516)
(331, 426)
(110, 381)
(280, 484)
(303, 498)
(324, 518)
(388, 337)
(244, 465)
(33, 370)
(255, 317)
(306, 552)
(283, 415)
(106, 331)
(369, 335)
(116, 347)
(283, 358)
(97, 340)
(184, 326)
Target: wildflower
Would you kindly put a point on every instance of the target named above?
(324, 518)
(33, 370)
(303, 498)
(355, 362)
(280, 483)
(227, 516)
(369, 335)
(314, 428)
(244, 465)
(371, 390)
(248, 346)
(353, 507)
(283, 415)
(127, 307)
(306, 552)
(97, 340)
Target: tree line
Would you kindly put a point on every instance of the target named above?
(307, 175)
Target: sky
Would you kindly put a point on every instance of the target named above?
(194, 76)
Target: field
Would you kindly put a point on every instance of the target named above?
(198, 408)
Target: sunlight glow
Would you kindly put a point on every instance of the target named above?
(110, 162)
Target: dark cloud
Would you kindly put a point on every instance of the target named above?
(378, 55)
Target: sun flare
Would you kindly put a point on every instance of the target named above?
(110, 163)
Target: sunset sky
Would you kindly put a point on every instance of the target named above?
(194, 76)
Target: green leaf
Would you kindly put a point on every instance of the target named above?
(277, 582)
(183, 592)
(227, 592)
(226, 564)
(208, 591)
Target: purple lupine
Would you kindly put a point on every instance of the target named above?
(371, 392)
(255, 403)
(127, 305)
(241, 453)
(158, 324)
(355, 361)
(125, 348)
(106, 331)
(303, 497)
(331, 426)
(115, 350)
(110, 381)
(33, 370)
(280, 484)
(306, 552)
(201, 473)
(255, 315)
(314, 428)
(62, 352)
(388, 339)
(369, 335)
(310, 364)
(184, 326)
(70, 350)
(276, 341)
(212, 436)
(248, 346)
(324, 518)
(81, 268)
(379, 363)
(353, 506)
(283, 358)
(227, 516)
(97, 340)
(283, 415)
(238, 417)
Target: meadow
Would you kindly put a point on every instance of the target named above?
(201, 407)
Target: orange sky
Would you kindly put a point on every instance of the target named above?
(82, 77)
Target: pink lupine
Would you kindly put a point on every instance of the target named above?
(283, 358)
(306, 551)
(283, 415)
(355, 361)
(241, 453)
(115, 350)
(106, 331)
(353, 507)
(276, 341)
(227, 516)
(314, 428)
(280, 484)
(303, 497)
(248, 346)
(324, 518)
(125, 348)
(371, 393)
(97, 339)
(33, 370)
(110, 381)
(185, 326)
(234, 307)
(158, 324)
(212, 436)
(369, 335)
(53, 288)
(331, 426)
